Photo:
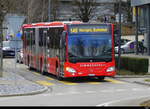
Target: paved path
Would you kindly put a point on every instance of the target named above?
(12, 84)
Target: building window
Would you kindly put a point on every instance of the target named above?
(142, 16)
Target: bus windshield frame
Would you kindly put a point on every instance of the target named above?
(90, 46)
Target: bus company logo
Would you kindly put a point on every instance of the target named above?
(92, 65)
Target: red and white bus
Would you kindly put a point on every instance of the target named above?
(71, 49)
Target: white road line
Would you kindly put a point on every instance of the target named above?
(107, 91)
(117, 101)
(90, 92)
(58, 94)
(121, 90)
(137, 89)
(74, 93)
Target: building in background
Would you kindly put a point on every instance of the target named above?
(13, 22)
(143, 16)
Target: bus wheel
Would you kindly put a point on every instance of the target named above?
(30, 67)
(101, 78)
(42, 71)
(59, 77)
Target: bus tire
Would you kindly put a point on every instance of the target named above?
(59, 77)
(42, 71)
(30, 68)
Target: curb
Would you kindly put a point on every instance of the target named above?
(137, 82)
(126, 102)
(134, 76)
(142, 83)
(27, 94)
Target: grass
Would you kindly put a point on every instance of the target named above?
(147, 80)
(146, 104)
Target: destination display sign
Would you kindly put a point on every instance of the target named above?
(89, 29)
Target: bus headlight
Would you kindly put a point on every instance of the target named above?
(111, 69)
(71, 70)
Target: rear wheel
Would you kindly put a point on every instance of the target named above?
(60, 78)
(43, 71)
(42, 68)
(30, 67)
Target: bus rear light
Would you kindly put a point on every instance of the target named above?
(71, 70)
(111, 69)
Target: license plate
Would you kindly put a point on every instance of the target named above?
(91, 74)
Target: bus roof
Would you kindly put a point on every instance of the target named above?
(50, 24)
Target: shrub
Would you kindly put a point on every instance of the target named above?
(136, 65)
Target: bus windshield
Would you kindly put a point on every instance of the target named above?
(90, 48)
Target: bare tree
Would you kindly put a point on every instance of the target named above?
(54, 9)
(84, 9)
(34, 11)
(4, 8)
(38, 10)
(126, 9)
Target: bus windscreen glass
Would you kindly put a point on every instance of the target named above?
(90, 43)
(90, 48)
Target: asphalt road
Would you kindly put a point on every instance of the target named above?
(79, 92)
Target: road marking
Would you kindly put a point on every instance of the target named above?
(48, 78)
(106, 91)
(59, 94)
(68, 83)
(94, 83)
(121, 90)
(107, 104)
(37, 73)
(90, 92)
(114, 81)
(45, 83)
(74, 93)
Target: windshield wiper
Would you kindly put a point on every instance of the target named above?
(107, 53)
(72, 56)
(101, 59)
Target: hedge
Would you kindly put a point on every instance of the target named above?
(133, 64)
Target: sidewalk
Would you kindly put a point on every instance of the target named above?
(132, 79)
(14, 85)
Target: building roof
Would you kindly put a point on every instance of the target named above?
(97, 1)
(139, 2)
